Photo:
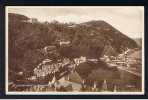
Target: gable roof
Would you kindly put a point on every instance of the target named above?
(75, 77)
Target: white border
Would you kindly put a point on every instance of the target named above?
(66, 93)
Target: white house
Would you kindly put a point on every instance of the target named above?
(64, 42)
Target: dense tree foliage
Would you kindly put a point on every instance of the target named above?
(90, 39)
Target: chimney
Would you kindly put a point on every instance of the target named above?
(95, 85)
(104, 86)
(115, 88)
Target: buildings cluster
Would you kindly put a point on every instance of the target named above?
(31, 20)
(70, 82)
(123, 59)
(48, 67)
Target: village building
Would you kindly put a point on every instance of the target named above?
(93, 60)
(49, 49)
(80, 60)
(71, 26)
(30, 20)
(64, 42)
(33, 20)
(71, 82)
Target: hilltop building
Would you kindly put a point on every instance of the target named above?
(33, 20)
(30, 20)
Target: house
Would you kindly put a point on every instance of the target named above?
(33, 20)
(64, 42)
(32, 78)
(70, 82)
(46, 61)
(93, 60)
(112, 65)
(48, 49)
(72, 79)
(64, 83)
(71, 26)
(105, 58)
(75, 77)
(30, 20)
(80, 60)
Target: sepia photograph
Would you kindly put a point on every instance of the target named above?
(74, 50)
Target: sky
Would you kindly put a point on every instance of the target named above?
(127, 19)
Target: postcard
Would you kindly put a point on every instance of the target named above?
(73, 50)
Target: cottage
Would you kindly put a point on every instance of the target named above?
(33, 20)
(64, 42)
(48, 49)
(66, 81)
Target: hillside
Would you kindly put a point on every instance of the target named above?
(91, 39)
(115, 40)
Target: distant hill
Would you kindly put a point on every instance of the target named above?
(138, 41)
(113, 40)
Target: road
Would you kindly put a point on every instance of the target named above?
(127, 70)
